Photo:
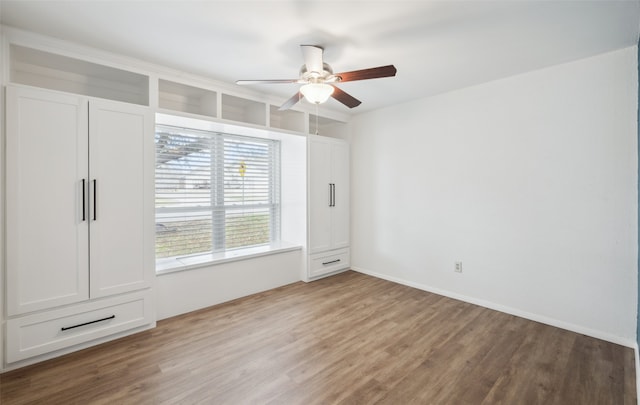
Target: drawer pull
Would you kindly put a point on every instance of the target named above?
(87, 323)
(332, 261)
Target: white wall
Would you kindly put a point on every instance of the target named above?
(530, 181)
(186, 291)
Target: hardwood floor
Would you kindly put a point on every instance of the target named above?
(349, 339)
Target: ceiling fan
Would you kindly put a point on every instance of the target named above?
(318, 80)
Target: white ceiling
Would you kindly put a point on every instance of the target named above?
(437, 46)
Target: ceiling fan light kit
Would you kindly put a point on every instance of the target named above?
(316, 93)
(315, 75)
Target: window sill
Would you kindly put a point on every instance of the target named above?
(175, 264)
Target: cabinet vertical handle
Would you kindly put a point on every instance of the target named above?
(84, 199)
(331, 195)
(95, 205)
(334, 194)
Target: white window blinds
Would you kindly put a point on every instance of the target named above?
(214, 191)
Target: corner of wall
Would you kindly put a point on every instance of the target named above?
(638, 251)
(4, 69)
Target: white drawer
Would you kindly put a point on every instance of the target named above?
(328, 262)
(45, 332)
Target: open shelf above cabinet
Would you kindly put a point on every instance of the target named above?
(188, 99)
(288, 119)
(56, 72)
(326, 127)
(71, 73)
(243, 110)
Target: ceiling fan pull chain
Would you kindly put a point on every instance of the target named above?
(317, 106)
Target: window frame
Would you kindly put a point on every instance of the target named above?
(217, 207)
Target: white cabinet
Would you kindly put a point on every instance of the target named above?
(44, 332)
(328, 210)
(79, 176)
(121, 171)
(47, 238)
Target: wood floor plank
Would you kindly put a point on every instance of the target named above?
(346, 339)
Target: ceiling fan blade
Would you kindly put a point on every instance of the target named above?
(266, 81)
(312, 57)
(371, 73)
(291, 102)
(345, 98)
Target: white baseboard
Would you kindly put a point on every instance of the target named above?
(509, 310)
(635, 350)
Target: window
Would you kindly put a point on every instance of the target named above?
(214, 192)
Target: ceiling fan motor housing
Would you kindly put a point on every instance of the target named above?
(326, 76)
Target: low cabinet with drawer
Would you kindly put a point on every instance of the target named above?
(328, 262)
(44, 332)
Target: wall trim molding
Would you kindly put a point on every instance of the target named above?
(635, 350)
(511, 311)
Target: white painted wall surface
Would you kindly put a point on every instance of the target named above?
(530, 181)
(186, 291)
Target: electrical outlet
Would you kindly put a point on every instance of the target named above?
(458, 268)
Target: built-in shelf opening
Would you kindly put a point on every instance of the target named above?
(243, 110)
(56, 72)
(327, 127)
(181, 97)
(288, 119)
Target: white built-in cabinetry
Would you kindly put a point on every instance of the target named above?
(328, 205)
(79, 181)
(79, 196)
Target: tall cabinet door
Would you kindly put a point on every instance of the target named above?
(340, 206)
(121, 190)
(320, 192)
(47, 224)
